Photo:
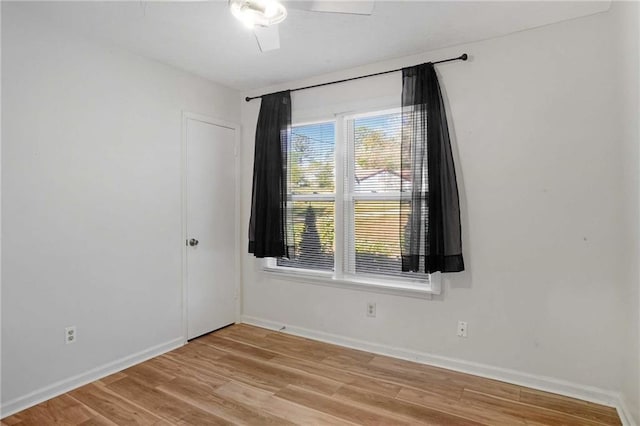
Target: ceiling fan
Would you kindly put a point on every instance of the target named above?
(263, 16)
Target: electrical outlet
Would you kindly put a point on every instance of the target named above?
(70, 335)
(462, 329)
(371, 309)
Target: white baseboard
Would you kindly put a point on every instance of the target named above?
(58, 388)
(624, 413)
(548, 384)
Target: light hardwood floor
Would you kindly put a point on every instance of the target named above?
(249, 375)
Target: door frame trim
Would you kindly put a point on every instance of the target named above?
(187, 115)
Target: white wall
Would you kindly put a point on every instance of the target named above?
(91, 202)
(540, 140)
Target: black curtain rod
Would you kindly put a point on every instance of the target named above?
(462, 57)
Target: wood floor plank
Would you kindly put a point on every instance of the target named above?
(459, 408)
(266, 401)
(201, 418)
(398, 377)
(202, 357)
(62, 410)
(584, 409)
(295, 348)
(271, 373)
(170, 366)
(376, 386)
(245, 332)
(112, 378)
(233, 346)
(438, 375)
(204, 397)
(196, 350)
(337, 407)
(149, 375)
(113, 407)
(363, 381)
(314, 350)
(446, 381)
(166, 406)
(254, 376)
(314, 367)
(98, 421)
(251, 376)
(366, 382)
(298, 347)
(532, 414)
(396, 407)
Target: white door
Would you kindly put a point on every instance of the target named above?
(210, 227)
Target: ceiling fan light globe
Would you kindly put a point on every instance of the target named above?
(270, 9)
(258, 12)
(248, 22)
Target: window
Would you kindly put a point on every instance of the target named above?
(311, 176)
(345, 186)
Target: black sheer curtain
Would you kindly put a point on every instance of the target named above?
(268, 224)
(429, 208)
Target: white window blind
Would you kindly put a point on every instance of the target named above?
(311, 171)
(373, 182)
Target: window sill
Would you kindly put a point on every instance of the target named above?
(398, 288)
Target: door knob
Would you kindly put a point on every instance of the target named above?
(193, 242)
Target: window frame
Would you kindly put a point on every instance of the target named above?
(344, 233)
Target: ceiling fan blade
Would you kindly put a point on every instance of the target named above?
(358, 7)
(268, 38)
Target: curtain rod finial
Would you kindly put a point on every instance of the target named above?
(247, 99)
(464, 57)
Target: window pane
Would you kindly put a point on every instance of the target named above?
(378, 239)
(376, 161)
(311, 159)
(313, 233)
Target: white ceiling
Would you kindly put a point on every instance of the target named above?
(203, 37)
